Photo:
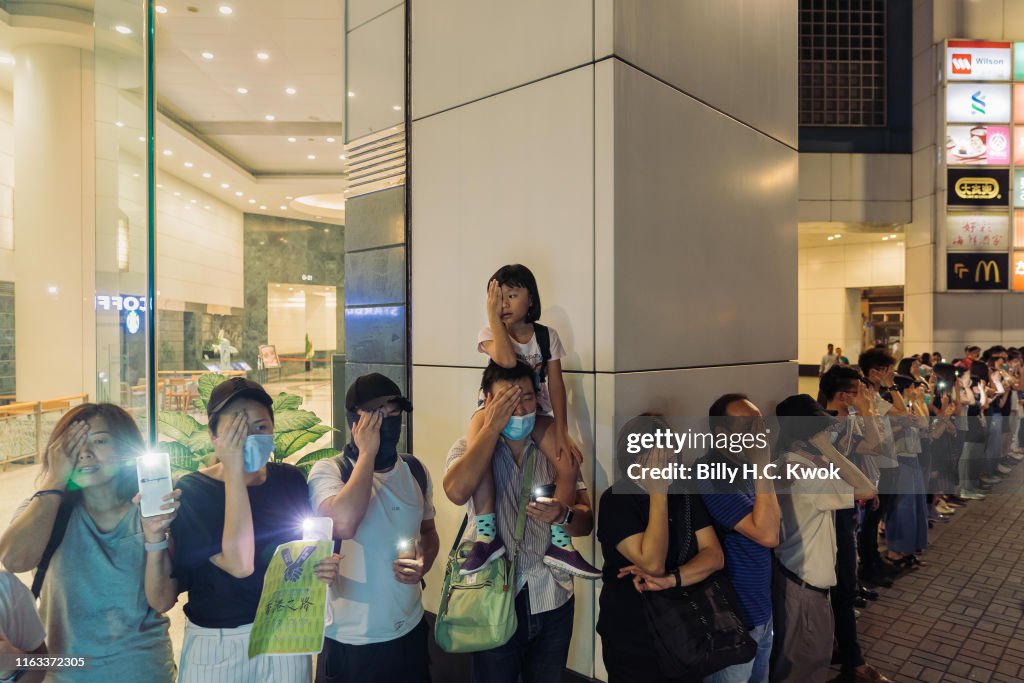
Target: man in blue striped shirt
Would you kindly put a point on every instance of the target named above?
(747, 515)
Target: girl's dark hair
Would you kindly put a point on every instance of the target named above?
(905, 364)
(979, 371)
(644, 423)
(926, 359)
(124, 433)
(518, 275)
(944, 372)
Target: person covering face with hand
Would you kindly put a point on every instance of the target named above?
(381, 505)
(233, 516)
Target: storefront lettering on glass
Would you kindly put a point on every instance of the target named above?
(977, 232)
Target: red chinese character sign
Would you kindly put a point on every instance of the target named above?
(977, 232)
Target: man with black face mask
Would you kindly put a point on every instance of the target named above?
(383, 512)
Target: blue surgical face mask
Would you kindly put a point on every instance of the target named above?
(519, 426)
(258, 449)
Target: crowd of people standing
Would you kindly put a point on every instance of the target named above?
(911, 440)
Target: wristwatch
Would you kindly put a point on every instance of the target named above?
(679, 580)
(155, 547)
(568, 517)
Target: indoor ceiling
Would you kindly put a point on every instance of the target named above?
(258, 86)
(837, 234)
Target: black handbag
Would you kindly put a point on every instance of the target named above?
(696, 629)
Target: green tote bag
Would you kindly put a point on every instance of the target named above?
(478, 612)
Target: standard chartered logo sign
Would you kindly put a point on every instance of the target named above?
(978, 103)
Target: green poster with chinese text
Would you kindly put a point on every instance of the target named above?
(290, 618)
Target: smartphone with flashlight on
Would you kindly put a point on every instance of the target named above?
(545, 491)
(154, 472)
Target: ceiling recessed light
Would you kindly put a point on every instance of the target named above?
(351, 94)
(243, 91)
(225, 10)
(892, 236)
(135, 175)
(262, 56)
(119, 124)
(160, 9)
(224, 186)
(884, 239)
(263, 207)
(159, 186)
(830, 238)
(284, 208)
(122, 29)
(207, 55)
(142, 139)
(341, 156)
(291, 139)
(289, 197)
(330, 139)
(177, 194)
(397, 108)
(269, 117)
(193, 201)
(239, 193)
(311, 157)
(289, 91)
(188, 164)
(252, 201)
(206, 206)
(207, 175)
(168, 153)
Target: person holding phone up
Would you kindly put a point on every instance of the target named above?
(233, 516)
(382, 507)
(82, 533)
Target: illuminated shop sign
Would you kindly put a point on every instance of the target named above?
(977, 187)
(974, 271)
(120, 303)
(978, 103)
(971, 60)
(978, 145)
(1018, 61)
(977, 232)
(1018, 188)
(1018, 271)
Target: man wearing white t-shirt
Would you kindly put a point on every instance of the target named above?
(21, 632)
(382, 508)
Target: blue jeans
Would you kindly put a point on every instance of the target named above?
(538, 650)
(756, 670)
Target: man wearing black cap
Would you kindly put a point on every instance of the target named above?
(806, 553)
(233, 516)
(383, 511)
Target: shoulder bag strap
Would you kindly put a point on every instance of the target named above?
(524, 496)
(458, 537)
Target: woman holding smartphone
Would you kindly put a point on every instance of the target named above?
(82, 531)
(235, 513)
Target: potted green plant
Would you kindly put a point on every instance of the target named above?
(188, 440)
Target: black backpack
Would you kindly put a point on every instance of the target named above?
(346, 464)
(544, 342)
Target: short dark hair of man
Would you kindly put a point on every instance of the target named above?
(717, 416)
(875, 359)
(518, 275)
(838, 378)
(495, 373)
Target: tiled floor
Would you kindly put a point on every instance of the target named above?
(959, 618)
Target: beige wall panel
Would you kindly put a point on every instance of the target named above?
(508, 179)
(461, 48)
(699, 199)
(751, 77)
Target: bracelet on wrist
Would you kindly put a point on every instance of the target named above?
(156, 547)
(47, 492)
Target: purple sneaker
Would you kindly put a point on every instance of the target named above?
(570, 561)
(480, 555)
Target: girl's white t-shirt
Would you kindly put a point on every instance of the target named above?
(530, 354)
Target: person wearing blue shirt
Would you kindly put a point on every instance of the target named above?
(747, 511)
